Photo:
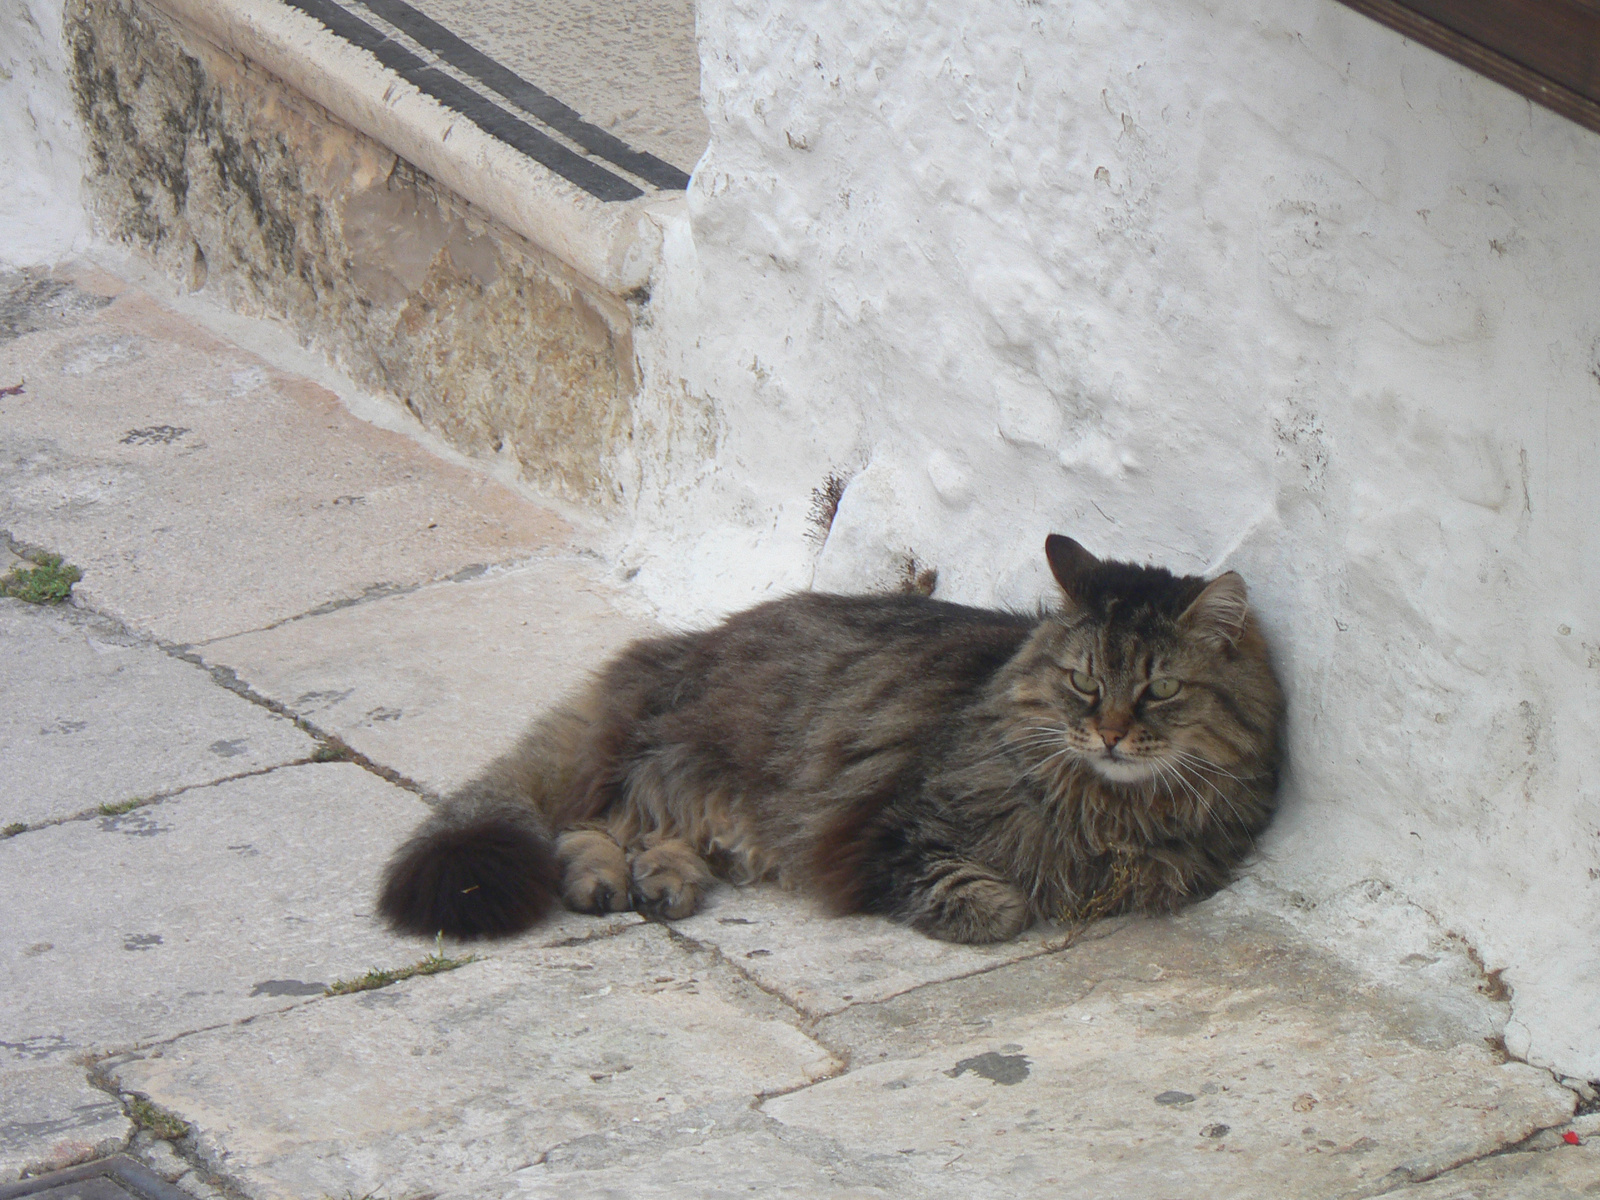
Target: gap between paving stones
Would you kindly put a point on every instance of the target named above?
(338, 750)
(385, 591)
(377, 591)
(600, 933)
(225, 677)
(807, 1023)
(128, 806)
(1539, 1142)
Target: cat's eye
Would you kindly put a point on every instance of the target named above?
(1163, 689)
(1087, 684)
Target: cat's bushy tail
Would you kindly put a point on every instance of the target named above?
(487, 874)
(485, 865)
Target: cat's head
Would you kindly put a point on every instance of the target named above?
(1143, 672)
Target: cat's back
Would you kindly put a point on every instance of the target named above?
(816, 666)
(794, 668)
(823, 631)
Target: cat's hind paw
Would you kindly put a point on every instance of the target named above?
(668, 879)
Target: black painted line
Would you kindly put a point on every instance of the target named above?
(533, 100)
(454, 94)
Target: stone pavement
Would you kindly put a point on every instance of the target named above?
(295, 628)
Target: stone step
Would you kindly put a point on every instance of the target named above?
(461, 205)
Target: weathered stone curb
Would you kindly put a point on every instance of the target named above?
(410, 268)
(616, 244)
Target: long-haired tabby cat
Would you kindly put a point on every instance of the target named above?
(963, 770)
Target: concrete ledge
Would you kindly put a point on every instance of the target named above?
(615, 244)
(239, 183)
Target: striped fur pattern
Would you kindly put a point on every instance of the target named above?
(962, 770)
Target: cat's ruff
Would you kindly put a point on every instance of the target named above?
(966, 771)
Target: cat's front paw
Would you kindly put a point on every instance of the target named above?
(966, 902)
(668, 879)
(594, 872)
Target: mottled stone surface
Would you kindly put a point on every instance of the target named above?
(435, 682)
(52, 1117)
(237, 185)
(449, 1085)
(95, 717)
(1213, 1053)
(203, 492)
(1560, 1173)
(722, 1152)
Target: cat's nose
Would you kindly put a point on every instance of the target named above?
(1113, 728)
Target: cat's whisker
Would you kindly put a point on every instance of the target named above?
(1189, 757)
(1189, 787)
(1161, 778)
(1218, 792)
(1008, 748)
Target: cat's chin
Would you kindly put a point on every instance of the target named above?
(1122, 770)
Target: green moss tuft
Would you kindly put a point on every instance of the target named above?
(379, 977)
(48, 582)
(148, 1115)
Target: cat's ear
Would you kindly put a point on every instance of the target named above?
(1069, 562)
(1218, 613)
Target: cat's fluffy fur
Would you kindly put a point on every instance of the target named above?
(963, 770)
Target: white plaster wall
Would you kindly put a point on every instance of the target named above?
(42, 216)
(1256, 284)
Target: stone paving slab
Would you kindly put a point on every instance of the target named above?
(1194, 1056)
(822, 964)
(204, 493)
(52, 1117)
(1221, 943)
(719, 1153)
(93, 716)
(1561, 1173)
(448, 1085)
(220, 904)
(436, 682)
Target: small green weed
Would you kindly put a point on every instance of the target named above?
(331, 751)
(378, 977)
(13, 829)
(151, 1116)
(49, 581)
(120, 807)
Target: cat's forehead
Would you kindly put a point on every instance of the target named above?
(1136, 637)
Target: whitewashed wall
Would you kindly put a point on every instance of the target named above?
(1255, 284)
(41, 149)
